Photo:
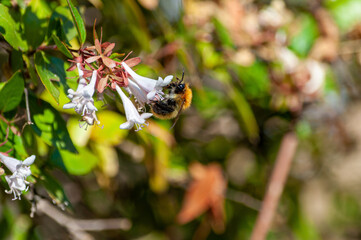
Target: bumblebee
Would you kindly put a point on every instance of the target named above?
(178, 97)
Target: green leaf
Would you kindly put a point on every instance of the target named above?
(9, 30)
(30, 66)
(49, 125)
(78, 163)
(223, 34)
(244, 109)
(14, 142)
(346, 13)
(12, 92)
(61, 25)
(78, 21)
(54, 189)
(16, 60)
(35, 22)
(246, 114)
(41, 66)
(303, 41)
(62, 47)
(109, 134)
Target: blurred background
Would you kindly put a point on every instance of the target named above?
(258, 69)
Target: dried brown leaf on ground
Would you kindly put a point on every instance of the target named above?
(205, 193)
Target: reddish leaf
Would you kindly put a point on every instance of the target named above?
(92, 59)
(109, 48)
(97, 46)
(95, 35)
(205, 192)
(109, 62)
(89, 48)
(133, 61)
(102, 84)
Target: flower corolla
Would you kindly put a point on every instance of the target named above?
(21, 170)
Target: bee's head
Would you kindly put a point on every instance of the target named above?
(180, 84)
(180, 88)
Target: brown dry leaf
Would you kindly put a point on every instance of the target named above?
(205, 192)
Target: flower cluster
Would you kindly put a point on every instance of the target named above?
(82, 99)
(105, 70)
(20, 171)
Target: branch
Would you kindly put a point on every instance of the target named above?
(78, 227)
(29, 122)
(278, 179)
(243, 198)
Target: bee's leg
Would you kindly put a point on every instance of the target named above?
(177, 117)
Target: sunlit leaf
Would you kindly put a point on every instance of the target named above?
(78, 22)
(346, 13)
(45, 75)
(79, 136)
(108, 159)
(62, 47)
(111, 133)
(9, 30)
(49, 125)
(35, 21)
(61, 25)
(302, 42)
(79, 163)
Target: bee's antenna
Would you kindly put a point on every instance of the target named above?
(182, 76)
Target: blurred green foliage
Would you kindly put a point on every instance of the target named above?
(248, 91)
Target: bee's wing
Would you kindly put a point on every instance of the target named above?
(177, 117)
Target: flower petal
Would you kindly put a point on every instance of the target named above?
(9, 162)
(30, 160)
(88, 91)
(145, 83)
(126, 125)
(139, 94)
(146, 115)
(69, 105)
(167, 80)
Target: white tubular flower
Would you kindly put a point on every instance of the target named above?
(131, 113)
(138, 93)
(21, 170)
(148, 87)
(317, 77)
(82, 99)
(157, 91)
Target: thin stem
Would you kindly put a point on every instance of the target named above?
(27, 106)
(278, 179)
(6, 136)
(50, 47)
